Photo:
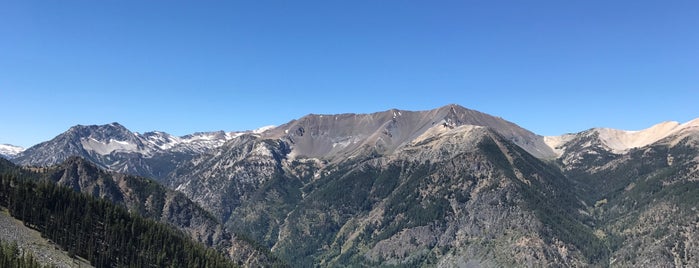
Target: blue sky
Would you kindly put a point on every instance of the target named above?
(184, 66)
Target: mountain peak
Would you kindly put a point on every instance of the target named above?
(342, 135)
(76, 160)
(113, 146)
(454, 108)
(112, 130)
(113, 125)
(620, 141)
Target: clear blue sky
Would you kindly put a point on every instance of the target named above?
(185, 66)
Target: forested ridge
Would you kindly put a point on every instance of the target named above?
(105, 234)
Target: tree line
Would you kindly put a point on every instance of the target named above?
(12, 256)
(105, 234)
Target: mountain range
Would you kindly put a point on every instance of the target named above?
(444, 187)
(10, 151)
(114, 147)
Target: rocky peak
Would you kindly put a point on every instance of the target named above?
(115, 147)
(101, 132)
(597, 145)
(343, 135)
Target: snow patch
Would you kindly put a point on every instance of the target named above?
(10, 150)
(233, 135)
(160, 140)
(105, 148)
(346, 141)
(199, 142)
(263, 129)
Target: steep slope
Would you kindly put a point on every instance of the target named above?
(90, 142)
(223, 180)
(103, 233)
(220, 179)
(445, 187)
(592, 151)
(30, 241)
(462, 197)
(644, 197)
(344, 135)
(149, 199)
(140, 195)
(448, 194)
(618, 141)
(333, 137)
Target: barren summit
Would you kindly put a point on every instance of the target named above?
(344, 135)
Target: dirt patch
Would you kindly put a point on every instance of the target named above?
(30, 241)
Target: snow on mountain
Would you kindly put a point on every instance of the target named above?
(263, 129)
(98, 141)
(202, 141)
(150, 143)
(160, 140)
(111, 145)
(198, 142)
(106, 139)
(9, 151)
(157, 141)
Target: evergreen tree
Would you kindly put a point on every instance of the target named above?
(105, 234)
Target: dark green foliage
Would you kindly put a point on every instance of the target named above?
(103, 233)
(386, 182)
(275, 198)
(147, 189)
(491, 149)
(633, 186)
(350, 192)
(274, 261)
(355, 188)
(162, 164)
(406, 200)
(556, 209)
(11, 257)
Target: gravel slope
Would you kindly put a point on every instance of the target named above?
(30, 240)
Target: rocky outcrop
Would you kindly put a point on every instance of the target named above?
(150, 199)
(445, 187)
(451, 193)
(337, 137)
(114, 147)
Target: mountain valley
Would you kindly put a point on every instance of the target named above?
(449, 187)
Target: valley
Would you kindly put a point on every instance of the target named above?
(449, 187)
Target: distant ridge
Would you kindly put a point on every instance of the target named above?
(10, 151)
